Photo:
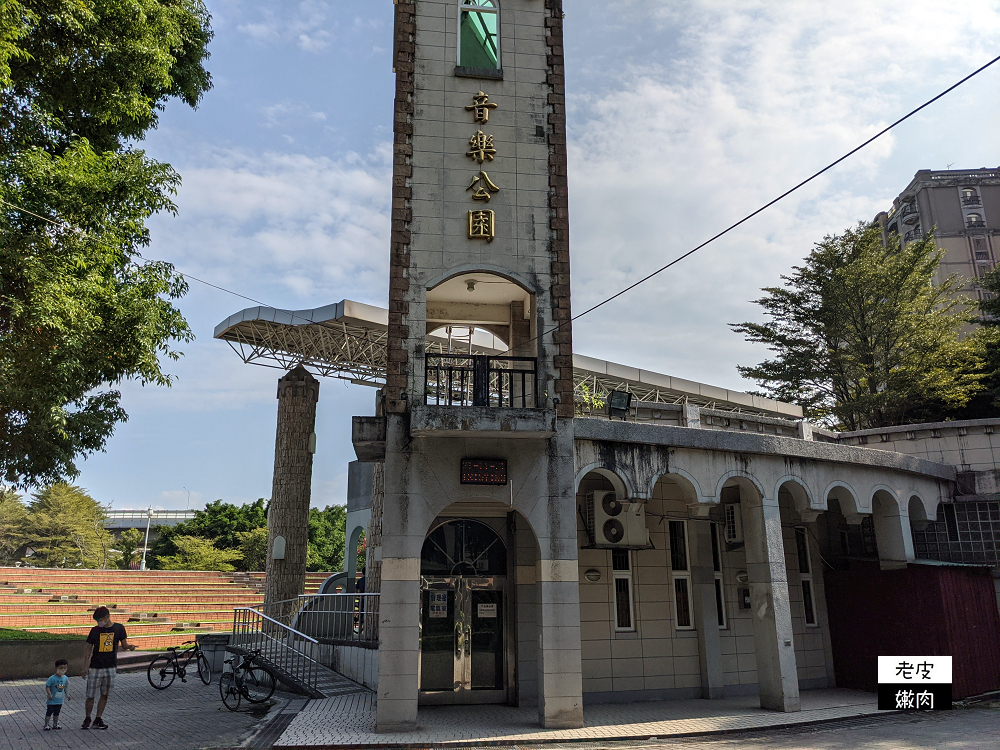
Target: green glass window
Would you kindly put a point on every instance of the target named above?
(479, 34)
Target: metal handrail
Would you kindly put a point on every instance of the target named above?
(340, 619)
(253, 630)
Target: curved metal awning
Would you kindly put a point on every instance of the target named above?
(348, 340)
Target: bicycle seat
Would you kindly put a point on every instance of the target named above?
(171, 648)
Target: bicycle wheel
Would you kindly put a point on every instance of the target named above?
(259, 684)
(161, 672)
(204, 671)
(229, 691)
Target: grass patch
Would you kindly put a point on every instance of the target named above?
(13, 634)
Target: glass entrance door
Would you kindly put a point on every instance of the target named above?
(464, 642)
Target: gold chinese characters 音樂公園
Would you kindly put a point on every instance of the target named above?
(482, 221)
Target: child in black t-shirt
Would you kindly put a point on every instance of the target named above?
(105, 638)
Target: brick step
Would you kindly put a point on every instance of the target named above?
(24, 598)
(49, 608)
(148, 600)
(50, 584)
(162, 641)
(38, 621)
(57, 573)
(133, 628)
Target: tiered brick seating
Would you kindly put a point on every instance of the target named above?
(159, 607)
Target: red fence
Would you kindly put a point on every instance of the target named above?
(922, 610)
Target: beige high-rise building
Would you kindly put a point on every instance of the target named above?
(962, 208)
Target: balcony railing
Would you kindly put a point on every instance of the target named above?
(971, 200)
(910, 214)
(975, 224)
(913, 235)
(479, 380)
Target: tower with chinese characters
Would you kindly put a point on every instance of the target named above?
(478, 553)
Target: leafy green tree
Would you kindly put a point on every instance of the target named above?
(253, 548)
(220, 521)
(327, 529)
(128, 545)
(80, 311)
(862, 336)
(13, 525)
(195, 553)
(65, 527)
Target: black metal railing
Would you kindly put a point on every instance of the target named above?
(913, 235)
(479, 380)
(971, 200)
(340, 619)
(975, 224)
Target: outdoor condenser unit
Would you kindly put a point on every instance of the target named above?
(616, 523)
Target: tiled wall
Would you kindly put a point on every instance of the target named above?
(660, 657)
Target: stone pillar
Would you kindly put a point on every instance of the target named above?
(892, 532)
(777, 677)
(691, 415)
(706, 615)
(373, 560)
(560, 675)
(288, 517)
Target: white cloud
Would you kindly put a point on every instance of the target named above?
(308, 23)
(717, 111)
(300, 229)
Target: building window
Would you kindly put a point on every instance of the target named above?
(868, 542)
(479, 34)
(970, 197)
(974, 220)
(621, 573)
(682, 574)
(979, 245)
(805, 576)
(720, 597)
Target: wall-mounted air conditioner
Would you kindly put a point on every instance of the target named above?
(614, 523)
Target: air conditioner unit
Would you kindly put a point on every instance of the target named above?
(616, 523)
(734, 522)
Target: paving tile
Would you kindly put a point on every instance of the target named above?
(350, 721)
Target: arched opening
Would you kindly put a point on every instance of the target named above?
(894, 543)
(466, 653)
(480, 348)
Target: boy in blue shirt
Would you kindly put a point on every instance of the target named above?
(56, 688)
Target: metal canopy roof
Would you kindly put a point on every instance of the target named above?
(348, 340)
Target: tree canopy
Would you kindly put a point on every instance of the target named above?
(80, 310)
(862, 336)
(242, 530)
(65, 527)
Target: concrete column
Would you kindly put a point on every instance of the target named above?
(288, 517)
(399, 645)
(777, 677)
(706, 616)
(692, 415)
(892, 532)
(560, 676)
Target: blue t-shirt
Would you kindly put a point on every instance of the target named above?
(57, 686)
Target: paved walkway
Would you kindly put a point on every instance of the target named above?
(350, 721)
(185, 716)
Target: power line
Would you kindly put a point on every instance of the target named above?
(767, 205)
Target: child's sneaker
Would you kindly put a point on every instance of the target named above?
(99, 723)
(86, 723)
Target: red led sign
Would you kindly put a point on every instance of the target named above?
(484, 471)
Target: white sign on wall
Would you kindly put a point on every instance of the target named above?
(437, 605)
(487, 609)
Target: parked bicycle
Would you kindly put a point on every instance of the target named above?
(245, 680)
(163, 669)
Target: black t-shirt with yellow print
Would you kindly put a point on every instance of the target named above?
(105, 642)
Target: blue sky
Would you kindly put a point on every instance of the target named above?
(682, 118)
